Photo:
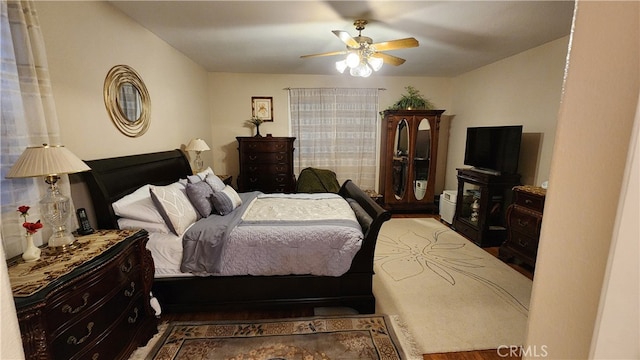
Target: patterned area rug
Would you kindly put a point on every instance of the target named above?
(450, 294)
(336, 338)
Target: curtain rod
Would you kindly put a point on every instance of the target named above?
(288, 88)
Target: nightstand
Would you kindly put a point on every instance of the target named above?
(524, 220)
(91, 302)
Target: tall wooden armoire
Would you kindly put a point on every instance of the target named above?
(408, 159)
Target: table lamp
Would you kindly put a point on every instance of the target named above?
(197, 145)
(51, 161)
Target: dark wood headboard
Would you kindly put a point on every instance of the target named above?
(112, 178)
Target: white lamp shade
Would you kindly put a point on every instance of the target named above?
(353, 59)
(46, 160)
(197, 145)
(341, 66)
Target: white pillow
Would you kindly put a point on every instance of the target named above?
(124, 223)
(200, 176)
(138, 206)
(174, 206)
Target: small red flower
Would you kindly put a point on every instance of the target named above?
(32, 228)
(24, 210)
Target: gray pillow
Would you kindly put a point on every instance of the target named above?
(214, 181)
(225, 201)
(199, 194)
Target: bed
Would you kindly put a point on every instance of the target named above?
(112, 179)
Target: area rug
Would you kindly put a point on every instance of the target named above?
(314, 338)
(450, 294)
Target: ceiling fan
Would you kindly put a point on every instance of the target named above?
(363, 55)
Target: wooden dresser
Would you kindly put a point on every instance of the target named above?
(524, 220)
(266, 164)
(89, 303)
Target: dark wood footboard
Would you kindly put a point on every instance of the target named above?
(111, 179)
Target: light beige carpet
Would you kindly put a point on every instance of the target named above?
(449, 294)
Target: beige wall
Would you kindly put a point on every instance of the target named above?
(83, 41)
(230, 98)
(592, 141)
(521, 90)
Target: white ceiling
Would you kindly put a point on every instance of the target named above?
(270, 36)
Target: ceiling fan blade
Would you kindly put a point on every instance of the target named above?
(346, 38)
(396, 44)
(389, 59)
(332, 53)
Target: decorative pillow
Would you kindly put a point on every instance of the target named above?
(174, 206)
(226, 201)
(195, 178)
(215, 182)
(124, 223)
(139, 206)
(199, 194)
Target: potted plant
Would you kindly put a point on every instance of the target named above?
(412, 100)
(255, 121)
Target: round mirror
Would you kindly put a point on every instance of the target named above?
(127, 100)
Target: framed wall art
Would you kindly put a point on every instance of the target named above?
(262, 108)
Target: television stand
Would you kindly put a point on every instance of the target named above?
(487, 171)
(481, 205)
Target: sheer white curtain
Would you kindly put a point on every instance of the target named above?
(28, 118)
(336, 129)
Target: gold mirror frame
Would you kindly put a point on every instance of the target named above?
(118, 76)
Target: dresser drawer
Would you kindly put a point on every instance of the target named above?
(264, 146)
(90, 292)
(106, 345)
(270, 158)
(96, 319)
(530, 201)
(524, 244)
(524, 220)
(254, 170)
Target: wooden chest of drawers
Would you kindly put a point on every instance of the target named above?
(266, 164)
(524, 220)
(96, 307)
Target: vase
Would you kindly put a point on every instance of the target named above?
(258, 131)
(32, 252)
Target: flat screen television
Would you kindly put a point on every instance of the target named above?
(494, 148)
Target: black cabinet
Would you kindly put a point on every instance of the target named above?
(483, 198)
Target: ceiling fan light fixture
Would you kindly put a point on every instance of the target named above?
(362, 70)
(341, 66)
(375, 63)
(353, 59)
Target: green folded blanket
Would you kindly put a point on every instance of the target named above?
(312, 180)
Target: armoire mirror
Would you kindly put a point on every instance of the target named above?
(127, 100)
(421, 158)
(400, 159)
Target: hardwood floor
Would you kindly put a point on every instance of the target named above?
(490, 354)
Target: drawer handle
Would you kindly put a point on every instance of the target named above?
(131, 319)
(279, 180)
(129, 293)
(523, 223)
(68, 309)
(73, 340)
(279, 157)
(252, 157)
(125, 268)
(95, 356)
(253, 168)
(528, 202)
(523, 243)
(253, 180)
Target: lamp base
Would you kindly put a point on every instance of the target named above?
(61, 241)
